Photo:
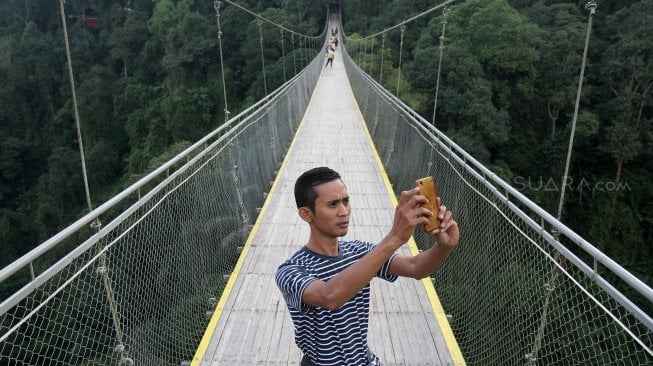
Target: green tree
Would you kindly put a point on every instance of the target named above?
(190, 51)
(466, 105)
(504, 42)
(628, 74)
(561, 49)
(128, 40)
(60, 192)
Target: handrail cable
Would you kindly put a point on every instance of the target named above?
(216, 6)
(445, 11)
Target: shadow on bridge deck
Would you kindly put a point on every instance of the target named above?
(251, 325)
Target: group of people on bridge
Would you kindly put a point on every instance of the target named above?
(330, 47)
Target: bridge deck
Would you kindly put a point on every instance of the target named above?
(253, 327)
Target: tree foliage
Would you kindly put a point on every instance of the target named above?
(148, 80)
(507, 93)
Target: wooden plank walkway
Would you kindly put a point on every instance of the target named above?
(251, 325)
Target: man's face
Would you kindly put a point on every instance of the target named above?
(332, 210)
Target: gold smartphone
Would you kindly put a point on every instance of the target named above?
(428, 190)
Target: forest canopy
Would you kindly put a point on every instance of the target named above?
(507, 90)
(149, 83)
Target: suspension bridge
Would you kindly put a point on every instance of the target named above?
(183, 271)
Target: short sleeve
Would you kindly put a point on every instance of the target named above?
(292, 279)
(383, 272)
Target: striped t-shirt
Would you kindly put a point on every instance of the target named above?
(329, 337)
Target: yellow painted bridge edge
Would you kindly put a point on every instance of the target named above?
(438, 310)
(210, 328)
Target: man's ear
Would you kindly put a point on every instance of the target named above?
(306, 214)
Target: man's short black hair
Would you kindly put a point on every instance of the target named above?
(305, 193)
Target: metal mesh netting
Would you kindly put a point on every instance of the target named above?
(514, 293)
(142, 289)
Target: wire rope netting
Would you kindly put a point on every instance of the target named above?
(513, 291)
(142, 289)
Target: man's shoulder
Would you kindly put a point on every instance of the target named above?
(297, 258)
(305, 258)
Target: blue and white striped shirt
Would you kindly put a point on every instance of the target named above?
(329, 337)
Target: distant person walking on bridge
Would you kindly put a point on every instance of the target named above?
(333, 41)
(326, 284)
(330, 56)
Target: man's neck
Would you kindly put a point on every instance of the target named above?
(324, 246)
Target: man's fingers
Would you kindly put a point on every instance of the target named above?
(442, 212)
(411, 198)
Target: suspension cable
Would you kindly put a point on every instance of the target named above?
(283, 57)
(382, 51)
(550, 286)
(591, 5)
(71, 79)
(294, 59)
(443, 4)
(96, 225)
(302, 49)
(260, 35)
(364, 55)
(445, 11)
(401, 47)
(216, 6)
(372, 58)
(267, 20)
(261, 18)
